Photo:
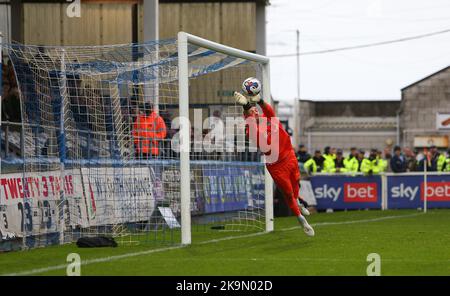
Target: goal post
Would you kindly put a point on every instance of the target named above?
(184, 39)
(185, 143)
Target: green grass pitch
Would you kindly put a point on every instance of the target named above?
(409, 243)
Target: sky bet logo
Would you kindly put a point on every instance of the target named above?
(360, 192)
(402, 191)
(436, 191)
(327, 192)
(353, 192)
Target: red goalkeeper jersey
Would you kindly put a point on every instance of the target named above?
(267, 131)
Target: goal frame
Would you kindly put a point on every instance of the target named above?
(183, 40)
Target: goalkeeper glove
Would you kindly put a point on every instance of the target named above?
(246, 102)
(240, 99)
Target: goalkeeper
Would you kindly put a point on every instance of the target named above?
(284, 170)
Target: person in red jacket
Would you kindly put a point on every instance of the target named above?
(148, 129)
(283, 165)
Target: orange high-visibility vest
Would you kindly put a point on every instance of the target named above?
(147, 130)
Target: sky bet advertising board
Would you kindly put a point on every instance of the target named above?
(406, 192)
(340, 193)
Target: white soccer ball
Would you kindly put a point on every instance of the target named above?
(251, 86)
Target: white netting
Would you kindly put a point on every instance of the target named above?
(96, 146)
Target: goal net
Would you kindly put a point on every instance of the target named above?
(141, 142)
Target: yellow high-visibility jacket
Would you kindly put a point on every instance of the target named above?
(368, 165)
(382, 165)
(328, 164)
(440, 162)
(310, 165)
(351, 164)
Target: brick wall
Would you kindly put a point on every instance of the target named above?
(421, 102)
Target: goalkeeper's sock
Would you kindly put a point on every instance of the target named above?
(303, 202)
(303, 206)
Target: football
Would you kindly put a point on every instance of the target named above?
(251, 86)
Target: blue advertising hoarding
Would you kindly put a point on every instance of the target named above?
(214, 201)
(257, 183)
(406, 192)
(232, 186)
(347, 192)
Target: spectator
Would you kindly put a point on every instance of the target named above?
(398, 161)
(339, 166)
(148, 129)
(351, 161)
(411, 159)
(329, 156)
(369, 166)
(438, 158)
(446, 167)
(387, 158)
(318, 160)
(429, 159)
(419, 156)
(302, 155)
(360, 159)
(310, 165)
(381, 162)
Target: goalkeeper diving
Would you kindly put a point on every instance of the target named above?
(284, 169)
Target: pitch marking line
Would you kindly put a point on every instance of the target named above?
(356, 221)
(142, 253)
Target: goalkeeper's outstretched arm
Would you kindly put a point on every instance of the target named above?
(267, 109)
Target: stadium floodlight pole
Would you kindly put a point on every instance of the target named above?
(298, 64)
(183, 88)
(297, 122)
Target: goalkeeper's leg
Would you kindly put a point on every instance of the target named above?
(282, 175)
(295, 180)
(291, 199)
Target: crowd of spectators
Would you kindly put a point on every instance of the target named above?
(333, 160)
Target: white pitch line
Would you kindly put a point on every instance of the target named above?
(142, 253)
(355, 221)
(231, 237)
(92, 261)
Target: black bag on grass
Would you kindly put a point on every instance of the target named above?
(96, 242)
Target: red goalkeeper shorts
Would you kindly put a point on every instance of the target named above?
(286, 176)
